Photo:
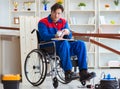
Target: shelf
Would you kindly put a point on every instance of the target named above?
(91, 52)
(107, 53)
(9, 32)
(91, 67)
(44, 11)
(82, 24)
(109, 11)
(104, 67)
(23, 11)
(82, 11)
(109, 24)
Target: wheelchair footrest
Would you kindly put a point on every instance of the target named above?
(75, 76)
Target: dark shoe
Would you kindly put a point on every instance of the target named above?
(69, 76)
(84, 75)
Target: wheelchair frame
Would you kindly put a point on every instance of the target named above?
(41, 59)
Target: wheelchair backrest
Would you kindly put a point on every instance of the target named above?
(37, 33)
(49, 49)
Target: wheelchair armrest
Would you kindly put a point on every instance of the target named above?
(46, 42)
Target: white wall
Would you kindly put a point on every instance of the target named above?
(9, 45)
(4, 5)
(0, 57)
(4, 13)
(10, 55)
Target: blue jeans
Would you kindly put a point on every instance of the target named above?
(66, 49)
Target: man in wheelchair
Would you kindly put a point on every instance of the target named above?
(54, 26)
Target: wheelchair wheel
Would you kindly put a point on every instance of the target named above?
(60, 72)
(35, 67)
(83, 83)
(55, 82)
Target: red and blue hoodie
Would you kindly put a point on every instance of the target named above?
(47, 28)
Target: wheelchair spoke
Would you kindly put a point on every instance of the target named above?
(32, 76)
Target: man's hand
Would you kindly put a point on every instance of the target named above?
(60, 34)
(65, 32)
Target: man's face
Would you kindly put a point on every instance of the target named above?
(55, 15)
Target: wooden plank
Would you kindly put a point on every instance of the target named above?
(102, 35)
(9, 28)
(28, 40)
(104, 46)
(23, 47)
(95, 34)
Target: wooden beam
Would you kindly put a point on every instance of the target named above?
(100, 35)
(107, 35)
(9, 28)
(104, 46)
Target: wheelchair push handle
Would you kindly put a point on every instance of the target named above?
(33, 31)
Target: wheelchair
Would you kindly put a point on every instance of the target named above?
(37, 61)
